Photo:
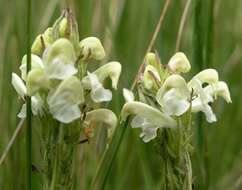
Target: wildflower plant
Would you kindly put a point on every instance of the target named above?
(163, 105)
(65, 95)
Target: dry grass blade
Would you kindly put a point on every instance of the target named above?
(182, 23)
(11, 142)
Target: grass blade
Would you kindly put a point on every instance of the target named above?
(29, 115)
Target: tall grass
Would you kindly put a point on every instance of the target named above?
(126, 27)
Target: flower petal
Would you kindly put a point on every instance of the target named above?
(92, 48)
(19, 85)
(98, 93)
(36, 80)
(59, 60)
(198, 105)
(219, 89)
(66, 113)
(148, 130)
(59, 70)
(104, 116)
(173, 104)
(143, 110)
(179, 63)
(22, 113)
(128, 95)
(63, 102)
(111, 70)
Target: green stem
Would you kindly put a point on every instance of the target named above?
(29, 114)
(106, 163)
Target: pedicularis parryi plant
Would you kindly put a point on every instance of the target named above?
(163, 109)
(65, 95)
(65, 102)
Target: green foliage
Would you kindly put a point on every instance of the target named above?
(125, 28)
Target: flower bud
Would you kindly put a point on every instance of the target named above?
(91, 48)
(151, 78)
(66, 27)
(42, 41)
(37, 47)
(179, 63)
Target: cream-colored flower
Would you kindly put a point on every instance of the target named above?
(102, 116)
(174, 95)
(147, 118)
(179, 63)
(92, 48)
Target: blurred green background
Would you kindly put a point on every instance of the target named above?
(212, 37)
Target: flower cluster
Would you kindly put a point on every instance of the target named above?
(165, 95)
(59, 83)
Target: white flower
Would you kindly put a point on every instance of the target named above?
(98, 92)
(36, 63)
(59, 60)
(149, 119)
(174, 95)
(92, 48)
(218, 89)
(19, 85)
(64, 101)
(128, 95)
(36, 107)
(102, 116)
(179, 63)
(111, 70)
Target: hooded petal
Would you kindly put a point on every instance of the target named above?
(102, 116)
(209, 76)
(19, 85)
(143, 110)
(179, 63)
(174, 81)
(111, 70)
(92, 48)
(219, 89)
(98, 92)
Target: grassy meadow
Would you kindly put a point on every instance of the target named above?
(211, 38)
